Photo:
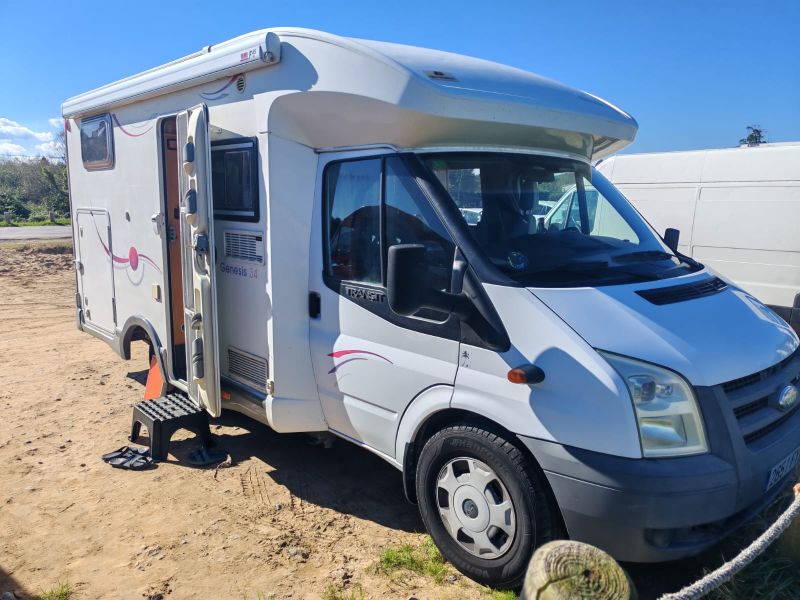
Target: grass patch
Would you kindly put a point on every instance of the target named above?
(336, 593)
(38, 246)
(61, 592)
(424, 559)
(769, 576)
(502, 595)
(40, 223)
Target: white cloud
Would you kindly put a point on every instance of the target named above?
(12, 129)
(57, 123)
(8, 147)
(48, 148)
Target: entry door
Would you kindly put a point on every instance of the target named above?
(198, 259)
(96, 268)
(370, 363)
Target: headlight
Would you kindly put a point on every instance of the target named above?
(666, 409)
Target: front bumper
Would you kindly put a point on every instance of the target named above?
(652, 510)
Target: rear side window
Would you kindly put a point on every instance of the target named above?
(234, 168)
(97, 143)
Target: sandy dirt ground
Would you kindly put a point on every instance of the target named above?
(285, 520)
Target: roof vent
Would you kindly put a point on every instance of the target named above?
(682, 293)
(440, 76)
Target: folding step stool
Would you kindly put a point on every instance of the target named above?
(163, 416)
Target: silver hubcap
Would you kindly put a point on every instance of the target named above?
(475, 507)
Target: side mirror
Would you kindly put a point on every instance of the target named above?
(671, 237)
(407, 278)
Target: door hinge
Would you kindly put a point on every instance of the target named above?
(114, 309)
(270, 387)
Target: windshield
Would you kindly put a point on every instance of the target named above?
(547, 221)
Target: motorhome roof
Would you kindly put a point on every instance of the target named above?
(431, 83)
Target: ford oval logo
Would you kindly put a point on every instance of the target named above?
(787, 397)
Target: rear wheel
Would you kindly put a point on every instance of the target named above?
(485, 507)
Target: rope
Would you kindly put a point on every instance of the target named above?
(716, 578)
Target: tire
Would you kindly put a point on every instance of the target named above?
(474, 456)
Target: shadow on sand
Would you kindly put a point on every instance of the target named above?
(343, 478)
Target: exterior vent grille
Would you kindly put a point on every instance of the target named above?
(247, 368)
(244, 246)
(240, 83)
(682, 293)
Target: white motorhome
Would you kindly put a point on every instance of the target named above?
(738, 211)
(282, 218)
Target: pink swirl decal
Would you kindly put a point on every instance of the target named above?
(132, 259)
(341, 353)
(148, 127)
(220, 93)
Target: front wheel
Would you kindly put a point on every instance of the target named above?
(485, 507)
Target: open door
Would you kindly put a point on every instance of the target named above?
(198, 260)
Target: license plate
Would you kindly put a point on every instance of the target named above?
(783, 468)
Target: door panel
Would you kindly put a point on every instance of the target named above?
(96, 268)
(370, 363)
(198, 259)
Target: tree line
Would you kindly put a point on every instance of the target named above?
(31, 188)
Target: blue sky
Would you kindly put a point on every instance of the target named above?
(693, 73)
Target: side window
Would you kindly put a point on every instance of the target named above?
(234, 168)
(411, 220)
(97, 143)
(352, 202)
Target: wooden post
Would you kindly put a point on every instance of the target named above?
(566, 570)
(7, 217)
(51, 216)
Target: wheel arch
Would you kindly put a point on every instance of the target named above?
(138, 328)
(446, 417)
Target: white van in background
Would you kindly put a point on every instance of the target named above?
(738, 211)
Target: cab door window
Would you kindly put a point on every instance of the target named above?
(409, 219)
(371, 205)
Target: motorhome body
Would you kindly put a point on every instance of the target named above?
(738, 210)
(281, 217)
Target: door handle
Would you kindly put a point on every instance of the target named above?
(314, 305)
(157, 219)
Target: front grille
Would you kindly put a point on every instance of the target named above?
(753, 398)
(750, 407)
(736, 384)
(682, 293)
(764, 431)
